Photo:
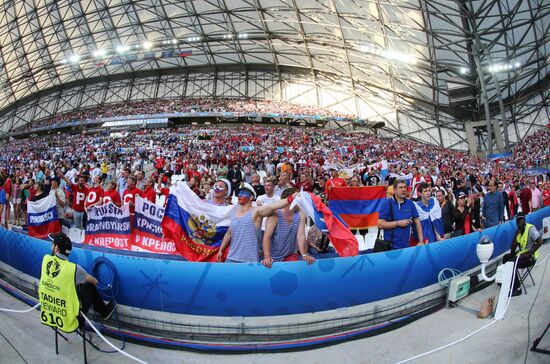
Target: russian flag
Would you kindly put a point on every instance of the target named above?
(185, 53)
(339, 234)
(195, 226)
(42, 217)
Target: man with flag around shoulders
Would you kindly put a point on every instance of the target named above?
(429, 213)
(66, 289)
(244, 230)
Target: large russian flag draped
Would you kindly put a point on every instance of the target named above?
(42, 217)
(195, 226)
(357, 206)
(339, 234)
(109, 226)
(147, 230)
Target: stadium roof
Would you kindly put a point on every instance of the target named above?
(396, 54)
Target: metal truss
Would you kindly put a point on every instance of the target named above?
(306, 51)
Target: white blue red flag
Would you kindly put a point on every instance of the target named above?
(147, 230)
(109, 226)
(338, 232)
(430, 220)
(42, 218)
(195, 226)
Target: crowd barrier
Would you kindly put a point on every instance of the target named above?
(171, 284)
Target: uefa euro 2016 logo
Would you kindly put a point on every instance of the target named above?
(52, 269)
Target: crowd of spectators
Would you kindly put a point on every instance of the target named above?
(186, 105)
(534, 150)
(268, 158)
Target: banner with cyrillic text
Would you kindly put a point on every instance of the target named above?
(109, 226)
(147, 231)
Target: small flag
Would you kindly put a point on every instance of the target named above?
(42, 217)
(184, 53)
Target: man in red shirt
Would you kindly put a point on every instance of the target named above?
(193, 172)
(80, 192)
(149, 192)
(334, 181)
(111, 194)
(159, 164)
(95, 194)
(416, 180)
(129, 196)
(546, 195)
(525, 198)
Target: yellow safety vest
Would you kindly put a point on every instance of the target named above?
(522, 241)
(59, 303)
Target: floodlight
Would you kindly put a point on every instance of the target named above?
(122, 49)
(99, 53)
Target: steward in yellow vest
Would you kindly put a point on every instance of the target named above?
(59, 303)
(525, 245)
(66, 289)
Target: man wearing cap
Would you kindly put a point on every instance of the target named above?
(528, 240)
(66, 289)
(244, 231)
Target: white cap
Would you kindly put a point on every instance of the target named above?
(248, 187)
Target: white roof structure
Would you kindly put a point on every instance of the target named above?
(393, 61)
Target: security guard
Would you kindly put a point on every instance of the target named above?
(529, 240)
(66, 289)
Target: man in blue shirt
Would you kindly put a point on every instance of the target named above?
(398, 228)
(493, 206)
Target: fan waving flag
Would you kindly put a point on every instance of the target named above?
(195, 226)
(357, 206)
(339, 234)
(42, 217)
